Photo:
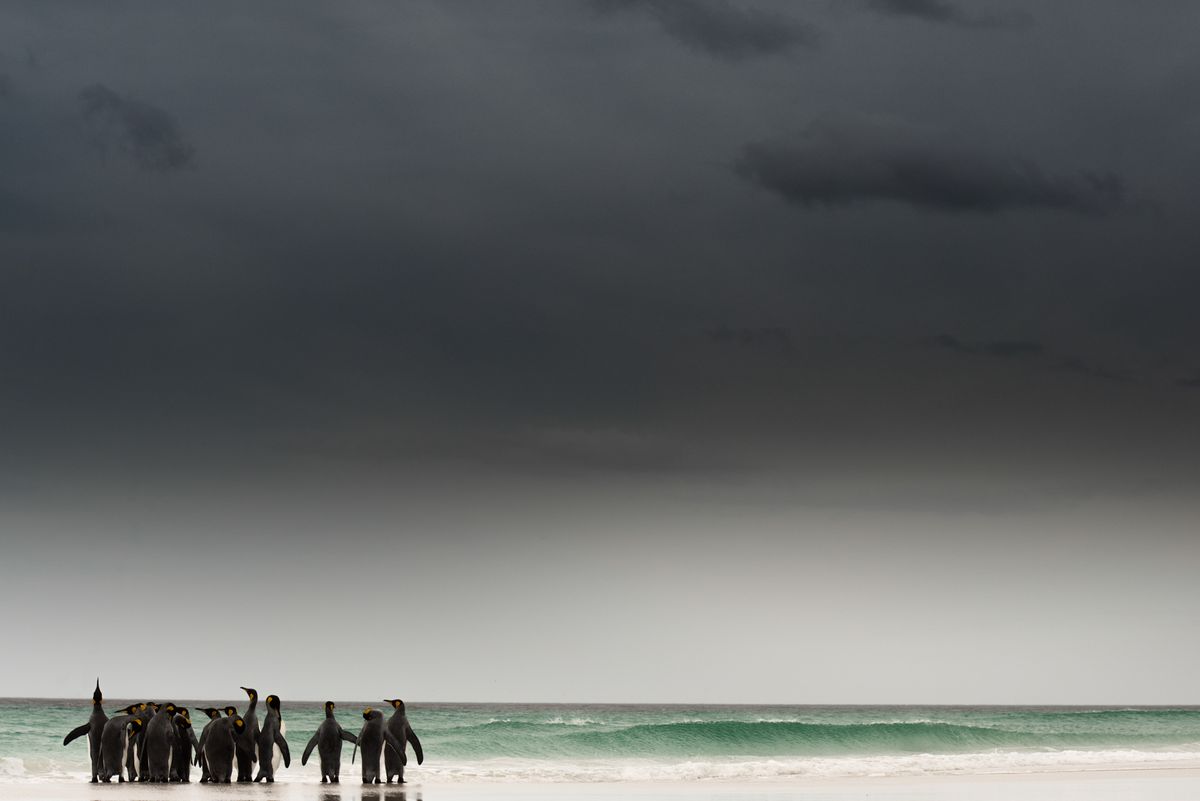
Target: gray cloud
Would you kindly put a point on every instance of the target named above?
(721, 28)
(841, 163)
(147, 134)
(943, 11)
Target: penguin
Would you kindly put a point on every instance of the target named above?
(328, 742)
(271, 745)
(371, 740)
(185, 742)
(114, 744)
(134, 760)
(247, 751)
(94, 728)
(158, 744)
(398, 725)
(220, 748)
(213, 715)
(140, 752)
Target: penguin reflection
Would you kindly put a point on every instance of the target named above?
(376, 792)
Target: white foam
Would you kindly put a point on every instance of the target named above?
(773, 769)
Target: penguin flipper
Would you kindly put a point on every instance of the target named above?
(354, 753)
(411, 736)
(77, 732)
(308, 749)
(396, 745)
(349, 737)
(283, 747)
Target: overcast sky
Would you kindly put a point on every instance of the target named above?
(602, 350)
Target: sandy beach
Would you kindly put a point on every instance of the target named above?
(1101, 785)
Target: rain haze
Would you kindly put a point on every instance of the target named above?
(602, 350)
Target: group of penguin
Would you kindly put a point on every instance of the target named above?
(151, 742)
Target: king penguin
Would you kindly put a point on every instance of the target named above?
(94, 728)
(398, 725)
(185, 742)
(271, 745)
(114, 743)
(371, 741)
(328, 742)
(247, 747)
(213, 714)
(220, 748)
(158, 744)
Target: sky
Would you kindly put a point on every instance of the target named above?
(723, 351)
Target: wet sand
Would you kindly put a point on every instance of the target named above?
(1099, 785)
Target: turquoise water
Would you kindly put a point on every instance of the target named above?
(514, 742)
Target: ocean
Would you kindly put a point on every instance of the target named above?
(619, 743)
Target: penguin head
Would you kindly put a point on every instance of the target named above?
(128, 710)
(187, 715)
(155, 706)
(97, 696)
(231, 711)
(239, 724)
(396, 703)
(170, 708)
(367, 713)
(135, 725)
(251, 694)
(143, 706)
(330, 706)
(273, 702)
(211, 712)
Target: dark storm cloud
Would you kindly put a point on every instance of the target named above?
(1007, 349)
(1072, 364)
(537, 256)
(772, 339)
(147, 134)
(721, 28)
(1010, 349)
(943, 11)
(24, 214)
(1189, 382)
(843, 163)
(1019, 349)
